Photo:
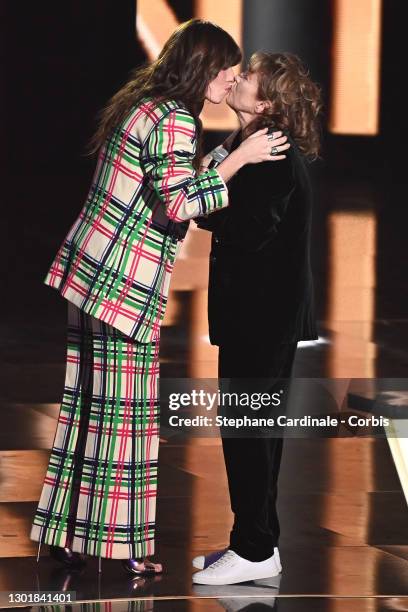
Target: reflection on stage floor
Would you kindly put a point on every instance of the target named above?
(344, 517)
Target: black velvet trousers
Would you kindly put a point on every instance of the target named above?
(252, 463)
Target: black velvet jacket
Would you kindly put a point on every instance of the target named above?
(260, 286)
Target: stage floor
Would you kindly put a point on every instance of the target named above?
(344, 517)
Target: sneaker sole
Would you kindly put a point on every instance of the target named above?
(273, 581)
(270, 579)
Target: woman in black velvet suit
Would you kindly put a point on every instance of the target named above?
(260, 275)
(261, 293)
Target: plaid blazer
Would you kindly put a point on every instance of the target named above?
(116, 261)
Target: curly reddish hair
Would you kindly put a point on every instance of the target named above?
(295, 99)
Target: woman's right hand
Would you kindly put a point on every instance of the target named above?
(253, 150)
(257, 147)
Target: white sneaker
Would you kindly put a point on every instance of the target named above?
(277, 558)
(232, 569)
(203, 561)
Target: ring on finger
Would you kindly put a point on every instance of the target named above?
(274, 151)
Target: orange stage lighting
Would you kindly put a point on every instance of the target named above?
(352, 293)
(356, 67)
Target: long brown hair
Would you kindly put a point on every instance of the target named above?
(296, 99)
(190, 59)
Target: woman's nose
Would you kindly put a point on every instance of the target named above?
(230, 75)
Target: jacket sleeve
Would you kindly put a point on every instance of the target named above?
(168, 163)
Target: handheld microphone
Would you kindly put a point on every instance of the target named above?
(218, 155)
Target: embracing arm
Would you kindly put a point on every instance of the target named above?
(168, 162)
(224, 148)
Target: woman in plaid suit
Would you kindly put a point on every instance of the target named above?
(114, 268)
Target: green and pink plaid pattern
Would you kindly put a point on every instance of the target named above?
(116, 260)
(99, 492)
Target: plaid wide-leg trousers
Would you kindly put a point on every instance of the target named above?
(99, 492)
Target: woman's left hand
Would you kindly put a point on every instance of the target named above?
(260, 147)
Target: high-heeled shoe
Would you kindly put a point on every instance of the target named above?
(67, 557)
(142, 567)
